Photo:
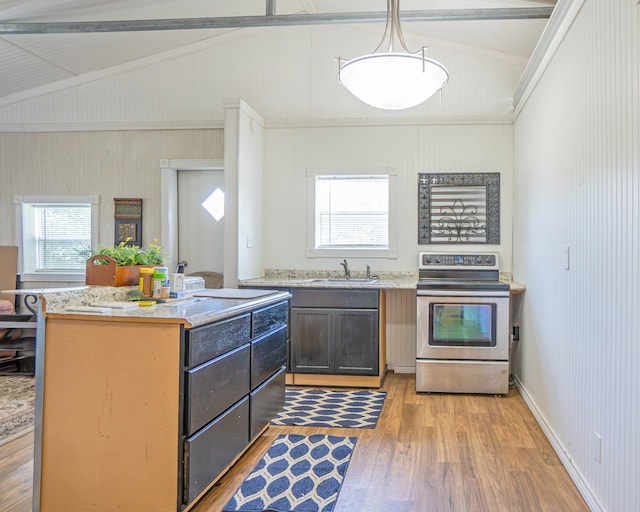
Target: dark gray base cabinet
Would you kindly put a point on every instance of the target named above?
(234, 378)
(335, 332)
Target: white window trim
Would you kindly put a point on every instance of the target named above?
(352, 252)
(77, 276)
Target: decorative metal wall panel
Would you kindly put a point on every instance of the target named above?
(459, 208)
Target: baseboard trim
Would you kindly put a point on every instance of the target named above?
(565, 457)
(356, 381)
(404, 369)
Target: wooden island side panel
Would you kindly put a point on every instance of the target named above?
(111, 402)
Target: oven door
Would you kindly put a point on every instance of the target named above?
(462, 325)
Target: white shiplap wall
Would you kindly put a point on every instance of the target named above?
(285, 73)
(108, 164)
(408, 149)
(577, 184)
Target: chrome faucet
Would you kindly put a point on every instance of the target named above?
(347, 272)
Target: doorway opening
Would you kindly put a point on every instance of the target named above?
(171, 230)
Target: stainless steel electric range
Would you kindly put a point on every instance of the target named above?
(462, 341)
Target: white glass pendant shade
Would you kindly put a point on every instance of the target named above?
(393, 81)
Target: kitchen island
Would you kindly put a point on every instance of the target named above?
(145, 408)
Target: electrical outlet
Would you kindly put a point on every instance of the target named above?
(597, 447)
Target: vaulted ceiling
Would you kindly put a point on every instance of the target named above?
(46, 41)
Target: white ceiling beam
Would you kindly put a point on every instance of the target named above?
(272, 20)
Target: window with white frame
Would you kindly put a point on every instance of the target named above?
(351, 214)
(57, 234)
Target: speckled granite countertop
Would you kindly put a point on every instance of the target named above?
(192, 311)
(320, 283)
(317, 279)
(210, 306)
(514, 286)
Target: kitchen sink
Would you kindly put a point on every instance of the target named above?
(344, 280)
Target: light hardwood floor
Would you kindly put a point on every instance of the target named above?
(429, 453)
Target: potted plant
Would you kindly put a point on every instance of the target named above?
(120, 265)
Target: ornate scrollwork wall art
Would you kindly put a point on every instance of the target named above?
(459, 208)
(459, 223)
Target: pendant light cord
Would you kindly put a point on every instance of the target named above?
(392, 28)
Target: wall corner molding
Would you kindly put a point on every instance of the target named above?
(559, 24)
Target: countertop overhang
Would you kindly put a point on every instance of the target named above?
(204, 307)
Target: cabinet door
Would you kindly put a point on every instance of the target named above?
(311, 346)
(356, 341)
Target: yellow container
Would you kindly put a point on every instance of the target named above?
(146, 274)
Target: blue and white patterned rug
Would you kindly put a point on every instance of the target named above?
(298, 473)
(330, 408)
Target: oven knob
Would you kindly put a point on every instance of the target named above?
(488, 260)
(479, 259)
(437, 260)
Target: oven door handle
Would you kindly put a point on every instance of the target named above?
(462, 293)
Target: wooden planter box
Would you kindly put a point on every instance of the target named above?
(111, 274)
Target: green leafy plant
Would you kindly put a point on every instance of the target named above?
(125, 254)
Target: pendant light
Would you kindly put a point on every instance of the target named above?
(392, 79)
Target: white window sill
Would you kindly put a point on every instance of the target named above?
(51, 277)
(352, 253)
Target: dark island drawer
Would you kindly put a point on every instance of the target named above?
(267, 318)
(209, 341)
(266, 402)
(268, 353)
(214, 386)
(211, 450)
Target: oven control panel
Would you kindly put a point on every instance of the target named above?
(458, 260)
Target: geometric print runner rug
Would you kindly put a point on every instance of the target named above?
(330, 408)
(298, 473)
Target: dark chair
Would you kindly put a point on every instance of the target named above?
(18, 343)
(17, 330)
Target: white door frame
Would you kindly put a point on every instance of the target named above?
(169, 169)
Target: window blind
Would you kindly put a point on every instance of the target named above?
(352, 211)
(62, 236)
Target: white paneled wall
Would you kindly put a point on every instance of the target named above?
(286, 73)
(109, 164)
(409, 150)
(577, 185)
